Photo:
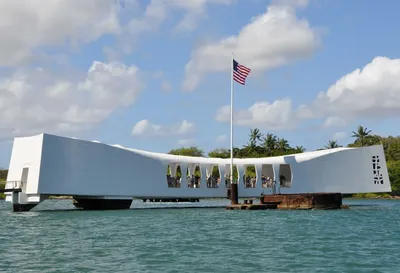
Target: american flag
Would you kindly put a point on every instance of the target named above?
(240, 72)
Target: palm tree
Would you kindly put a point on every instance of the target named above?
(283, 145)
(254, 136)
(300, 149)
(332, 144)
(361, 134)
(269, 143)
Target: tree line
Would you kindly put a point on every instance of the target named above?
(3, 174)
(3, 177)
(267, 145)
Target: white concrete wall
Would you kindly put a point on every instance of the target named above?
(347, 171)
(26, 153)
(75, 167)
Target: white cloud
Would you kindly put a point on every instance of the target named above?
(334, 121)
(272, 39)
(221, 138)
(372, 92)
(186, 142)
(274, 116)
(144, 21)
(36, 100)
(291, 3)
(27, 26)
(195, 11)
(146, 128)
(339, 135)
(157, 11)
(25, 29)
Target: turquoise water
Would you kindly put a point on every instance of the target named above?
(54, 238)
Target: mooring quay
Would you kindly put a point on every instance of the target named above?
(102, 176)
(305, 201)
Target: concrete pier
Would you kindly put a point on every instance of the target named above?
(303, 201)
(22, 202)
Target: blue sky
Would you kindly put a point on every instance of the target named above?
(154, 75)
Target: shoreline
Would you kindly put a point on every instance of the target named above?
(60, 197)
(395, 197)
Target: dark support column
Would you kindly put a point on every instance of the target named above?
(102, 204)
(234, 194)
(23, 207)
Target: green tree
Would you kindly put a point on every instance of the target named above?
(367, 141)
(220, 153)
(361, 134)
(269, 143)
(283, 145)
(299, 149)
(191, 151)
(255, 135)
(3, 174)
(3, 178)
(391, 146)
(332, 144)
(394, 176)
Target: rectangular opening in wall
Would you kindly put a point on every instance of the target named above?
(227, 178)
(174, 176)
(250, 176)
(194, 176)
(213, 179)
(24, 177)
(267, 175)
(285, 176)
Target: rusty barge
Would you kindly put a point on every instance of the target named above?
(306, 201)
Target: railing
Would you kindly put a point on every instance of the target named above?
(286, 184)
(14, 184)
(283, 184)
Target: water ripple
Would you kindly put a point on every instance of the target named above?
(54, 238)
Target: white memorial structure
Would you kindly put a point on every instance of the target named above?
(102, 176)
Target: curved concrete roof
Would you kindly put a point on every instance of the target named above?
(242, 161)
(300, 157)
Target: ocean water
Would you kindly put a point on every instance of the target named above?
(56, 238)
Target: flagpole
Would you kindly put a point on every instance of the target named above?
(232, 118)
(234, 185)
